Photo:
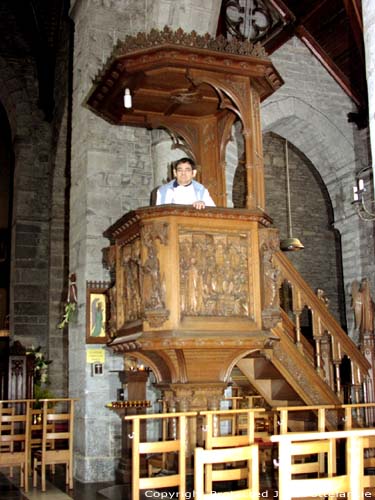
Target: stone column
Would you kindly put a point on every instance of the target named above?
(368, 13)
(111, 174)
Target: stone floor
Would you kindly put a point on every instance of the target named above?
(56, 489)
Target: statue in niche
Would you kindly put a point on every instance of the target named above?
(132, 285)
(135, 278)
(321, 294)
(271, 276)
(127, 291)
(194, 299)
(363, 307)
(152, 289)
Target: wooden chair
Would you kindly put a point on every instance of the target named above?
(14, 437)
(156, 463)
(57, 439)
(368, 461)
(7, 428)
(177, 446)
(207, 458)
(293, 484)
(36, 433)
(213, 439)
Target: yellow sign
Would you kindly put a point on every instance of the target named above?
(95, 356)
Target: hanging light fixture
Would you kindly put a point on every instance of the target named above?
(127, 99)
(364, 209)
(290, 244)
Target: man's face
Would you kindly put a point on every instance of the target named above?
(184, 173)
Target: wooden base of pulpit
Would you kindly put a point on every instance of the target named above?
(136, 404)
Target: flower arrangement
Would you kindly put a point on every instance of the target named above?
(69, 309)
(40, 365)
(71, 302)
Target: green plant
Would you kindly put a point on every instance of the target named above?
(69, 310)
(42, 392)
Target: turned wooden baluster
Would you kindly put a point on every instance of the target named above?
(297, 311)
(357, 386)
(336, 359)
(327, 362)
(317, 335)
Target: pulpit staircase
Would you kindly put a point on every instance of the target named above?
(296, 372)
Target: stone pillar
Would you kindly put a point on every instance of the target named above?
(111, 174)
(368, 13)
(162, 156)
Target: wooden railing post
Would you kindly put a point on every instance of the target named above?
(323, 324)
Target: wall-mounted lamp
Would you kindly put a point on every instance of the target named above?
(362, 209)
(289, 244)
(127, 99)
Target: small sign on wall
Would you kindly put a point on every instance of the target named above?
(95, 356)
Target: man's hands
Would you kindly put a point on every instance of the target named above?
(199, 205)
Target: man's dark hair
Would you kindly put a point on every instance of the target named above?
(185, 160)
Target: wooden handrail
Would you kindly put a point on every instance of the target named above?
(323, 321)
(323, 423)
(316, 436)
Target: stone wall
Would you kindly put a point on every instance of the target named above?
(320, 262)
(30, 227)
(310, 110)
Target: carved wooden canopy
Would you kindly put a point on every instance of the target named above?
(196, 87)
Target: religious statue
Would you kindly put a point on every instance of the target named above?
(321, 294)
(363, 307)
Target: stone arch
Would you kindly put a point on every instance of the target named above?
(13, 96)
(315, 135)
(332, 153)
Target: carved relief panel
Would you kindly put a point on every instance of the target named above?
(215, 279)
(131, 283)
(153, 281)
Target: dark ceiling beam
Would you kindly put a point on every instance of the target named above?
(354, 12)
(313, 11)
(310, 42)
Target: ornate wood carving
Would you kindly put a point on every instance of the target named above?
(214, 274)
(179, 37)
(131, 262)
(269, 244)
(153, 283)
